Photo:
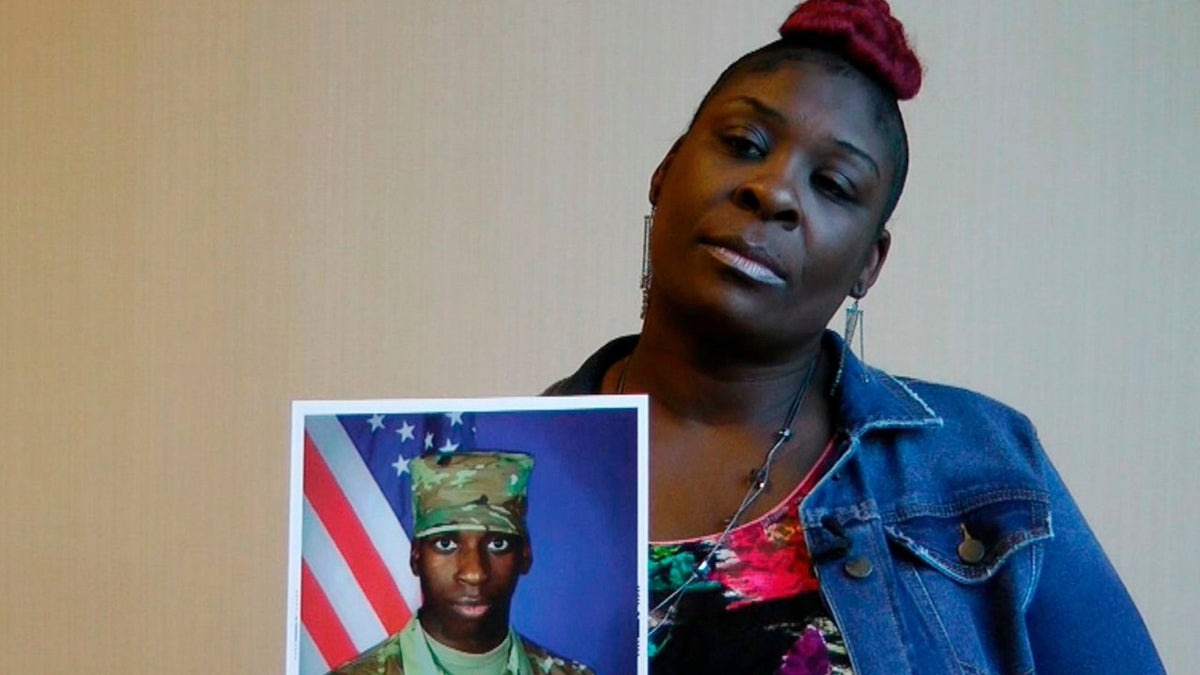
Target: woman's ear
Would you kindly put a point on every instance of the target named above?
(660, 173)
(872, 265)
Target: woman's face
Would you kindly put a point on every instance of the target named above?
(768, 209)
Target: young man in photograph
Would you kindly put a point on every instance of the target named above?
(470, 548)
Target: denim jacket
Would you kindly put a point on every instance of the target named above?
(944, 540)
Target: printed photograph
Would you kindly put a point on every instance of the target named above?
(500, 535)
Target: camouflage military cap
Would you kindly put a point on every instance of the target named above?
(481, 491)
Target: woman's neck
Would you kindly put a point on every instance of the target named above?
(714, 417)
(716, 383)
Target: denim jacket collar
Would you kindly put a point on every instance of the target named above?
(867, 399)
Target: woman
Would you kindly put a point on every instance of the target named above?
(810, 514)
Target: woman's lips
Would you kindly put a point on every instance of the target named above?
(749, 268)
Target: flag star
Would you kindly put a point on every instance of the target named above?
(401, 465)
(455, 418)
(376, 422)
(448, 447)
(428, 440)
(406, 431)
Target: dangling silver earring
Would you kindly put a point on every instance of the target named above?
(647, 225)
(854, 321)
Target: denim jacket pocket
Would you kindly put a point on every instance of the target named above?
(999, 523)
(964, 563)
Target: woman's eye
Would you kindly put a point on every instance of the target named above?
(836, 186)
(742, 145)
(500, 545)
(445, 545)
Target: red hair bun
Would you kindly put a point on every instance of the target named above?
(863, 32)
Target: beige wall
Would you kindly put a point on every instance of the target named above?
(212, 208)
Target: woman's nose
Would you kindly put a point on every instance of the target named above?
(772, 197)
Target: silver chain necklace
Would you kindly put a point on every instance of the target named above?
(662, 613)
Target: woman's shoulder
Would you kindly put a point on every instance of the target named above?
(952, 402)
(968, 438)
(871, 400)
(587, 379)
(974, 422)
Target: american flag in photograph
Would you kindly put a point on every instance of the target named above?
(356, 587)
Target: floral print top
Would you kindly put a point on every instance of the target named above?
(759, 608)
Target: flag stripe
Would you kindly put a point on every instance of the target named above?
(311, 661)
(368, 502)
(345, 596)
(318, 616)
(352, 540)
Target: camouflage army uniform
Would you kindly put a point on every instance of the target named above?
(407, 653)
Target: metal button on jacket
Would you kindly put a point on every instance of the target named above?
(971, 550)
(859, 567)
